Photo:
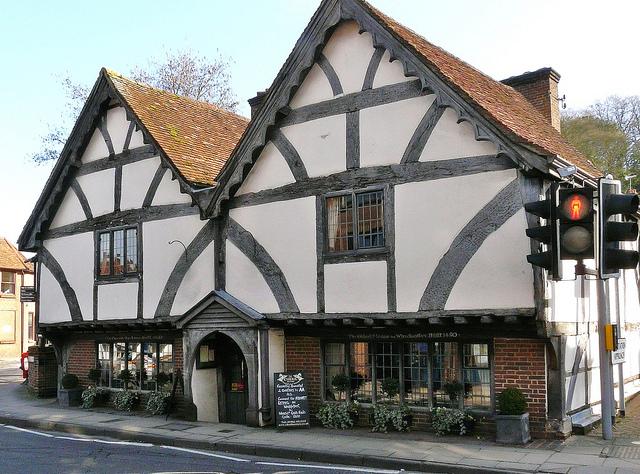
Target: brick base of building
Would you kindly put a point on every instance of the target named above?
(43, 372)
(517, 363)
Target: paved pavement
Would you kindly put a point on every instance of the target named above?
(410, 451)
(10, 371)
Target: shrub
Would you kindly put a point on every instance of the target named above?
(511, 401)
(162, 379)
(338, 416)
(391, 387)
(93, 396)
(450, 420)
(158, 403)
(70, 381)
(94, 375)
(125, 375)
(453, 388)
(125, 400)
(341, 383)
(384, 418)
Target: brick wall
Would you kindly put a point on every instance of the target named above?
(303, 353)
(82, 357)
(542, 94)
(43, 371)
(521, 363)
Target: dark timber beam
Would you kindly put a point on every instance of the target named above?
(489, 219)
(422, 133)
(330, 73)
(84, 203)
(153, 186)
(372, 68)
(436, 320)
(290, 154)
(102, 126)
(128, 217)
(127, 140)
(45, 258)
(402, 316)
(460, 320)
(124, 158)
(354, 102)
(376, 175)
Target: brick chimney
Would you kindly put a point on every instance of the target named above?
(541, 89)
(256, 102)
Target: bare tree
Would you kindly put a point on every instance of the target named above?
(183, 72)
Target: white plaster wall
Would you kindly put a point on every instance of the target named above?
(579, 397)
(276, 364)
(53, 305)
(137, 139)
(321, 144)
(70, 211)
(136, 178)
(197, 283)
(315, 88)
(168, 192)
(428, 217)
(160, 257)
(355, 287)
(349, 52)
(270, 171)
(118, 301)
(99, 188)
(498, 275)
(287, 231)
(452, 140)
(246, 283)
(75, 254)
(390, 72)
(204, 387)
(96, 149)
(385, 130)
(117, 125)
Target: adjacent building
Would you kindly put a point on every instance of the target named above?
(367, 220)
(17, 318)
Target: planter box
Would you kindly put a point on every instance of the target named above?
(512, 429)
(71, 397)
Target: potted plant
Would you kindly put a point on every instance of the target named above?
(453, 388)
(512, 421)
(341, 384)
(94, 375)
(125, 375)
(70, 395)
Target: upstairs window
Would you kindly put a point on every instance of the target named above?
(8, 284)
(355, 221)
(117, 253)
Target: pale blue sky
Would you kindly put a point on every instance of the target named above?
(592, 44)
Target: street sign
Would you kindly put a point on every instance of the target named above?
(617, 356)
(291, 402)
(27, 294)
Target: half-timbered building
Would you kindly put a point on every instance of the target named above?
(367, 220)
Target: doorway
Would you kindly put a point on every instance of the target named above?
(232, 387)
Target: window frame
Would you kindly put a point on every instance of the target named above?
(124, 276)
(430, 351)
(140, 382)
(356, 252)
(14, 283)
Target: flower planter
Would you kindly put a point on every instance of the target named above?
(512, 429)
(69, 397)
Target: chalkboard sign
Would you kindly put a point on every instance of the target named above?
(292, 405)
(27, 294)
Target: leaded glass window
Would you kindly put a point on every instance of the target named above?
(334, 362)
(416, 373)
(350, 229)
(117, 253)
(360, 370)
(476, 375)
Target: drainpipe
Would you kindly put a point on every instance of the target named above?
(265, 409)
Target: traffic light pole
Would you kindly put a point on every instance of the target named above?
(606, 372)
(621, 400)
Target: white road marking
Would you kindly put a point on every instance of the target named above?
(203, 453)
(124, 443)
(29, 431)
(338, 468)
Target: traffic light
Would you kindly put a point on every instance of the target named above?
(613, 206)
(546, 234)
(575, 223)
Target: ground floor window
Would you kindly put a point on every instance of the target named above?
(418, 373)
(150, 365)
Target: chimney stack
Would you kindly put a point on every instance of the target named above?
(256, 102)
(540, 88)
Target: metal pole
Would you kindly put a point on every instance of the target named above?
(621, 402)
(606, 387)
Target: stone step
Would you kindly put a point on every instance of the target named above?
(584, 421)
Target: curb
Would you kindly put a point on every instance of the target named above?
(308, 455)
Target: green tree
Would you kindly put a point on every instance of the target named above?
(183, 72)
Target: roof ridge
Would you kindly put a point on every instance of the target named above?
(117, 76)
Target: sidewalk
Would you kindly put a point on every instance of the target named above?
(410, 451)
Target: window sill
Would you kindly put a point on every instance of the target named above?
(8, 296)
(368, 255)
(134, 278)
(419, 408)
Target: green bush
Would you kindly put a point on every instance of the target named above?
(391, 387)
(385, 418)
(450, 420)
(158, 403)
(93, 396)
(70, 381)
(126, 400)
(453, 388)
(512, 401)
(339, 416)
(162, 379)
(341, 383)
(125, 375)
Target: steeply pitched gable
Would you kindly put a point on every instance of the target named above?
(12, 259)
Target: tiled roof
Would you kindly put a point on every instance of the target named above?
(196, 136)
(11, 258)
(498, 102)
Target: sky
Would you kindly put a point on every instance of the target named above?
(592, 44)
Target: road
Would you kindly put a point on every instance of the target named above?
(10, 372)
(30, 451)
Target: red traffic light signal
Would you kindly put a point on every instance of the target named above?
(575, 219)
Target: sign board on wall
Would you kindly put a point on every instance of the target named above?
(617, 356)
(291, 401)
(27, 294)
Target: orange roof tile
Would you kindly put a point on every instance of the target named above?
(500, 103)
(196, 136)
(11, 258)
